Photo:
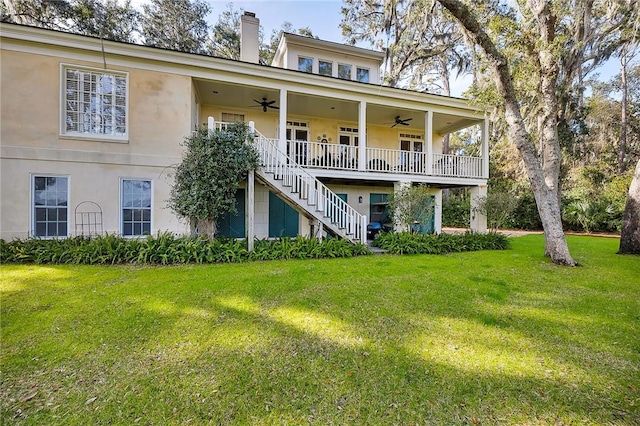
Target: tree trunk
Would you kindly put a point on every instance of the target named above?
(623, 113)
(202, 227)
(630, 236)
(546, 195)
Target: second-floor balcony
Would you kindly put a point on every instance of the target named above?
(333, 156)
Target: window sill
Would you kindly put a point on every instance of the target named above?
(97, 138)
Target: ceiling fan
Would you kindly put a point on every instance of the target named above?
(403, 122)
(264, 104)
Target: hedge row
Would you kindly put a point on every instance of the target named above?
(406, 243)
(168, 249)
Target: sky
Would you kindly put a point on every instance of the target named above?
(323, 17)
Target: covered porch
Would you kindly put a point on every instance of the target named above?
(371, 131)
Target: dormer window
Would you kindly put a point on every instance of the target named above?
(305, 64)
(362, 75)
(325, 68)
(344, 71)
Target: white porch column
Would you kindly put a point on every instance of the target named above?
(485, 148)
(428, 136)
(251, 209)
(251, 200)
(397, 187)
(362, 136)
(478, 219)
(211, 124)
(282, 125)
(437, 220)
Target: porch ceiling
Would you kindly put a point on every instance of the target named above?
(344, 111)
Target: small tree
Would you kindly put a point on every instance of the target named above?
(213, 164)
(497, 206)
(412, 206)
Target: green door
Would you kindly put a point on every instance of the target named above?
(283, 219)
(233, 225)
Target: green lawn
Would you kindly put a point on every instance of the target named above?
(494, 337)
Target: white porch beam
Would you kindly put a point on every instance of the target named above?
(485, 148)
(282, 121)
(362, 136)
(428, 135)
(478, 219)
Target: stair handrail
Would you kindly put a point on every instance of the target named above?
(333, 206)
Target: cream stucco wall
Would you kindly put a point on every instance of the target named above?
(159, 112)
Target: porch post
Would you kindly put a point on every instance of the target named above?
(211, 124)
(485, 148)
(251, 209)
(362, 136)
(437, 220)
(397, 187)
(251, 200)
(428, 136)
(478, 219)
(282, 137)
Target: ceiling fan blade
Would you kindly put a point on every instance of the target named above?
(270, 102)
(407, 119)
(404, 123)
(274, 107)
(394, 125)
(257, 101)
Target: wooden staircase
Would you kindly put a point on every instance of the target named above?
(306, 193)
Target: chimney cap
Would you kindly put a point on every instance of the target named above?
(253, 15)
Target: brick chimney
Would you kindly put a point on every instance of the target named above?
(249, 45)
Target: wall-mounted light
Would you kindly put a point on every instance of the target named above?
(360, 199)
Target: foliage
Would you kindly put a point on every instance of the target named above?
(409, 243)
(176, 24)
(412, 205)
(109, 19)
(225, 35)
(213, 164)
(591, 215)
(497, 206)
(167, 249)
(456, 209)
(422, 44)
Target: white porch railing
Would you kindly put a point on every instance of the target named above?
(457, 165)
(311, 194)
(323, 155)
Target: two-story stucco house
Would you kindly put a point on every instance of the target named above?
(90, 130)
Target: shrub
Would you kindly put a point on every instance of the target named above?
(406, 243)
(167, 249)
(456, 211)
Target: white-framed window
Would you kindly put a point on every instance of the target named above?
(325, 68)
(362, 74)
(344, 71)
(94, 103)
(305, 64)
(136, 211)
(50, 206)
(230, 117)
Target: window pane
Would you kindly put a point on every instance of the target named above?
(136, 193)
(344, 71)
(325, 68)
(305, 64)
(362, 74)
(95, 103)
(49, 206)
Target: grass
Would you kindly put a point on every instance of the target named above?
(470, 338)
